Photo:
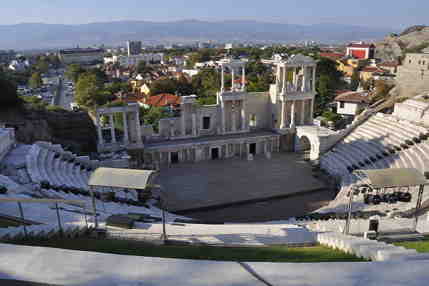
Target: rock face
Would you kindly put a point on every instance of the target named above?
(394, 46)
(72, 129)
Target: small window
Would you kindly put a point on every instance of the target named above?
(341, 104)
(206, 122)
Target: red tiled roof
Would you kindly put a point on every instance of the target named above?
(356, 45)
(373, 69)
(389, 64)
(335, 56)
(354, 96)
(163, 99)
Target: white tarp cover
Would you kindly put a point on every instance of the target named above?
(401, 177)
(121, 178)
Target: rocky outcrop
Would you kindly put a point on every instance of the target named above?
(394, 46)
(74, 130)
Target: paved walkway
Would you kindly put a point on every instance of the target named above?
(67, 267)
(222, 235)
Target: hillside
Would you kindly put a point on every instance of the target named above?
(40, 35)
(73, 129)
(413, 39)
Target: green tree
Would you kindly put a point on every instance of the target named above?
(89, 93)
(35, 80)
(8, 94)
(166, 85)
(355, 80)
(73, 72)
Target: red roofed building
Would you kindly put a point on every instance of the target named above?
(129, 98)
(163, 100)
(349, 103)
(361, 51)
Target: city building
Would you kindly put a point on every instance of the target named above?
(7, 56)
(133, 60)
(134, 48)
(81, 56)
(351, 103)
(361, 50)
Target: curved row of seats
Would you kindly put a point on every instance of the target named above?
(381, 142)
(368, 249)
(42, 231)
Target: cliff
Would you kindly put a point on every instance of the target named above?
(74, 130)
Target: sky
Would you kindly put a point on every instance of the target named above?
(374, 13)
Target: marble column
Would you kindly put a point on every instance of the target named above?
(314, 79)
(283, 115)
(112, 128)
(222, 107)
(311, 111)
(243, 84)
(304, 78)
(303, 112)
(284, 80)
(194, 124)
(233, 121)
(172, 128)
(244, 125)
(99, 130)
(222, 88)
(125, 120)
(139, 129)
(292, 115)
(232, 79)
(182, 117)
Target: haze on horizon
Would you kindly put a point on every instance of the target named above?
(380, 13)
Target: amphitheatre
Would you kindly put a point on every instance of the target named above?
(250, 171)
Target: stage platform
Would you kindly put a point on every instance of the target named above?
(236, 183)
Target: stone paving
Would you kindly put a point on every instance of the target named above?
(218, 183)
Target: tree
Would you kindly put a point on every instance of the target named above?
(73, 72)
(89, 93)
(8, 94)
(35, 80)
(143, 68)
(163, 86)
(355, 80)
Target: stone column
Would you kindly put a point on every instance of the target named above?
(302, 112)
(314, 79)
(232, 79)
(283, 115)
(139, 129)
(243, 84)
(292, 115)
(278, 76)
(222, 109)
(284, 80)
(112, 128)
(311, 111)
(99, 130)
(304, 78)
(125, 120)
(182, 117)
(194, 124)
(244, 125)
(172, 128)
(222, 88)
(233, 121)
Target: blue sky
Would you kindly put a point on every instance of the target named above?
(377, 13)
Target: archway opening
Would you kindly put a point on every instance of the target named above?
(304, 147)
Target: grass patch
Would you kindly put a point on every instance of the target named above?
(249, 254)
(420, 246)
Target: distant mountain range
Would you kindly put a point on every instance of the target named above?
(38, 35)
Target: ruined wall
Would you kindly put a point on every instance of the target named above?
(258, 105)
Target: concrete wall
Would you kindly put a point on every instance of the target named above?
(258, 105)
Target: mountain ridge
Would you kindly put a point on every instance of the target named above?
(42, 35)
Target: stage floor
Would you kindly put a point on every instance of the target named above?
(223, 184)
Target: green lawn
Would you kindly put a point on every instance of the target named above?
(420, 246)
(261, 254)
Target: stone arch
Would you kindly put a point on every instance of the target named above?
(303, 145)
(308, 140)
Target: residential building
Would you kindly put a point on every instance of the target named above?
(134, 48)
(351, 103)
(164, 100)
(369, 72)
(133, 60)
(81, 56)
(361, 50)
